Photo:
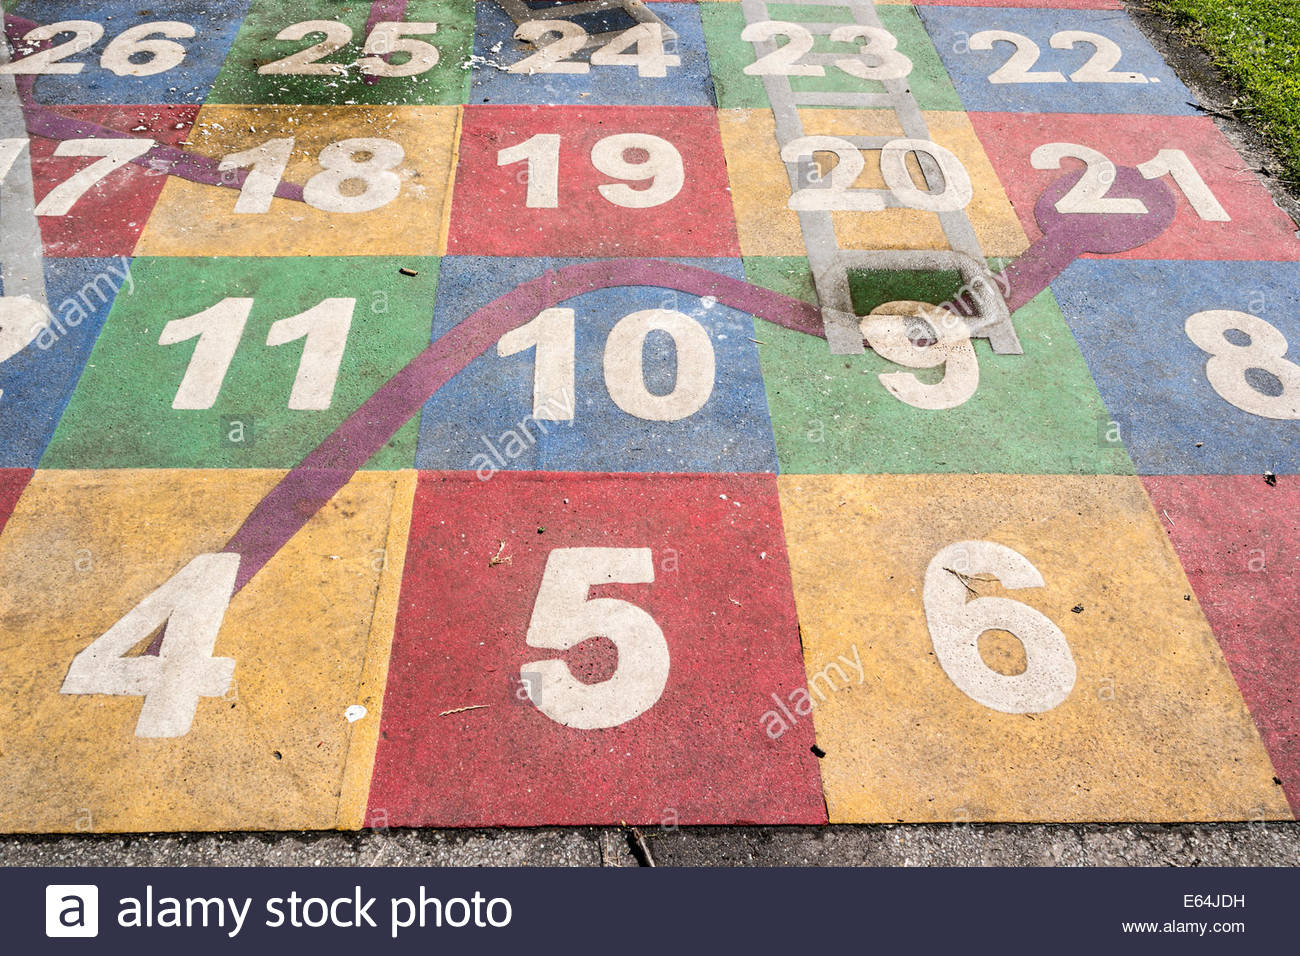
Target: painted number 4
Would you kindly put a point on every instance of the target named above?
(564, 617)
(189, 609)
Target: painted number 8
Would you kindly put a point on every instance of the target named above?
(1231, 361)
(367, 161)
(956, 625)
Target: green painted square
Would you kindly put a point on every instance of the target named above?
(1037, 413)
(121, 414)
(446, 84)
(729, 55)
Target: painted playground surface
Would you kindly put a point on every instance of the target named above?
(522, 413)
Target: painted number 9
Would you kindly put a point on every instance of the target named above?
(956, 625)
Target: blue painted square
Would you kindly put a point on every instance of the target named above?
(1129, 318)
(952, 28)
(466, 426)
(38, 381)
(215, 23)
(689, 84)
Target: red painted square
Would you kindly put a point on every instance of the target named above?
(1239, 542)
(721, 595)
(12, 483)
(1258, 229)
(109, 218)
(490, 215)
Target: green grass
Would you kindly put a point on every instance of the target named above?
(1257, 43)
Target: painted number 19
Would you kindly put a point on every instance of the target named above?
(661, 167)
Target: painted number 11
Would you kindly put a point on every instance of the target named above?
(220, 329)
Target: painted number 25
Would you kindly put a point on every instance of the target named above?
(385, 37)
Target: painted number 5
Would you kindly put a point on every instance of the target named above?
(564, 617)
(956, 625)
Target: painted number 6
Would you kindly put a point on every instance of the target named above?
(564, 617)
(956, 625)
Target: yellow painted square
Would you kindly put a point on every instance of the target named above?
(196, 219)
(1153, 728)
(760, 186)
(310, 635)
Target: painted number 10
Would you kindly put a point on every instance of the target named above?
(552, 335)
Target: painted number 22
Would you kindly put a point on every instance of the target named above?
(1100, 67)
